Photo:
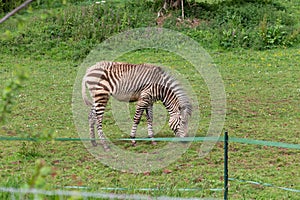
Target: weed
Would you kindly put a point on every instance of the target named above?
(29, 150)
(38, 179)
(273, 35)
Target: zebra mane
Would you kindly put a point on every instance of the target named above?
(99, 65)
(184, 104)
(108, 64)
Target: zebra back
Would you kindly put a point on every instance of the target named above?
(125, 78)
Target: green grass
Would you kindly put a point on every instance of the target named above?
(263, 93)
(262, 104)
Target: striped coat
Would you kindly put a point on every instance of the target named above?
(141, 83)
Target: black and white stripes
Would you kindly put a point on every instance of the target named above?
(142, 83)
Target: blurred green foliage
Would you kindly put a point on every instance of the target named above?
(9, 91)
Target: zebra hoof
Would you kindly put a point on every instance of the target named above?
(94, 143)
(133, 143)
(106, 149)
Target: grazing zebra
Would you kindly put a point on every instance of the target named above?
(143, 83)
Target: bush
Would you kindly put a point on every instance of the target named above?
(76, 28)
(70, 31)
(7, 5)
(246, 24)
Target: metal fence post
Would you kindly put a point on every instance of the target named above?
(225, 165)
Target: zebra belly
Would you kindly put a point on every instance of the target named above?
(127, 97)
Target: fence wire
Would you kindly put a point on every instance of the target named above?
(18, 192)
(82, 194)
(167, 139)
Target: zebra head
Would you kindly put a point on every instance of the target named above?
(179, 121)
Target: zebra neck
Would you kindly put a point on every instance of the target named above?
(171, 102)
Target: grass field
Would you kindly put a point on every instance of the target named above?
(263, 93)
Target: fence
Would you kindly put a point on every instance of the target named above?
(226, 140)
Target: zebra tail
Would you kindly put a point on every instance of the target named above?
(83, 93)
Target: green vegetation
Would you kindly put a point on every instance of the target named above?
(8, 93)
(259, 65)
(229, 24)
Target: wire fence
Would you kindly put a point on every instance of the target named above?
(20, 192)
(191, 139)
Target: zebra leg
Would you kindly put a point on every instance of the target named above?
(136, 120)
(149, 115)
(100, 105)
(92, 121)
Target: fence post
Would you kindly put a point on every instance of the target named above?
(225, 165)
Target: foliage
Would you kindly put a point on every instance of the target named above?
(76, 27)
(8, 93)
(38, 179)
(238, 24)
(6, 6)
(79, 25)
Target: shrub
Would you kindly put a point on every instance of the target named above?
(79, 28)
(246, 24)
(7, 5)
(76, 29)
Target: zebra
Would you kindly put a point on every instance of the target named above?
(141, 83)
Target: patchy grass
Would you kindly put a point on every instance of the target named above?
(262, 98)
